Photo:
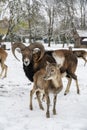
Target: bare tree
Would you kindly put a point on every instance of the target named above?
(33, 17)
(15, 15)
(83, 10)
(49, 7)
(50, 25)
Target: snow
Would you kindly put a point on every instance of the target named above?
(85, 39)
(82, 33)
(14, 102)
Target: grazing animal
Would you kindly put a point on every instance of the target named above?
(32, 62)
(47, 81)
(80, 54)
(3, 56)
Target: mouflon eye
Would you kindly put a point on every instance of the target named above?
(52, 70)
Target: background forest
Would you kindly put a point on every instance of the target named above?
(37, 19)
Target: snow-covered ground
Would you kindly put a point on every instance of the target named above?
(14, 102)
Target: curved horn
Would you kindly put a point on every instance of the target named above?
(37, 45)
(17, 45)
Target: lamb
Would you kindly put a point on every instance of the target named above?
(47, 81)
(34, 62)
(4, 67)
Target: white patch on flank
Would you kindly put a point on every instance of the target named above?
(59, 59)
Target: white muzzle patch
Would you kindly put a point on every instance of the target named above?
(26, 62)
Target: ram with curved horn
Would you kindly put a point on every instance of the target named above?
(32, 62)
(27, 50)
